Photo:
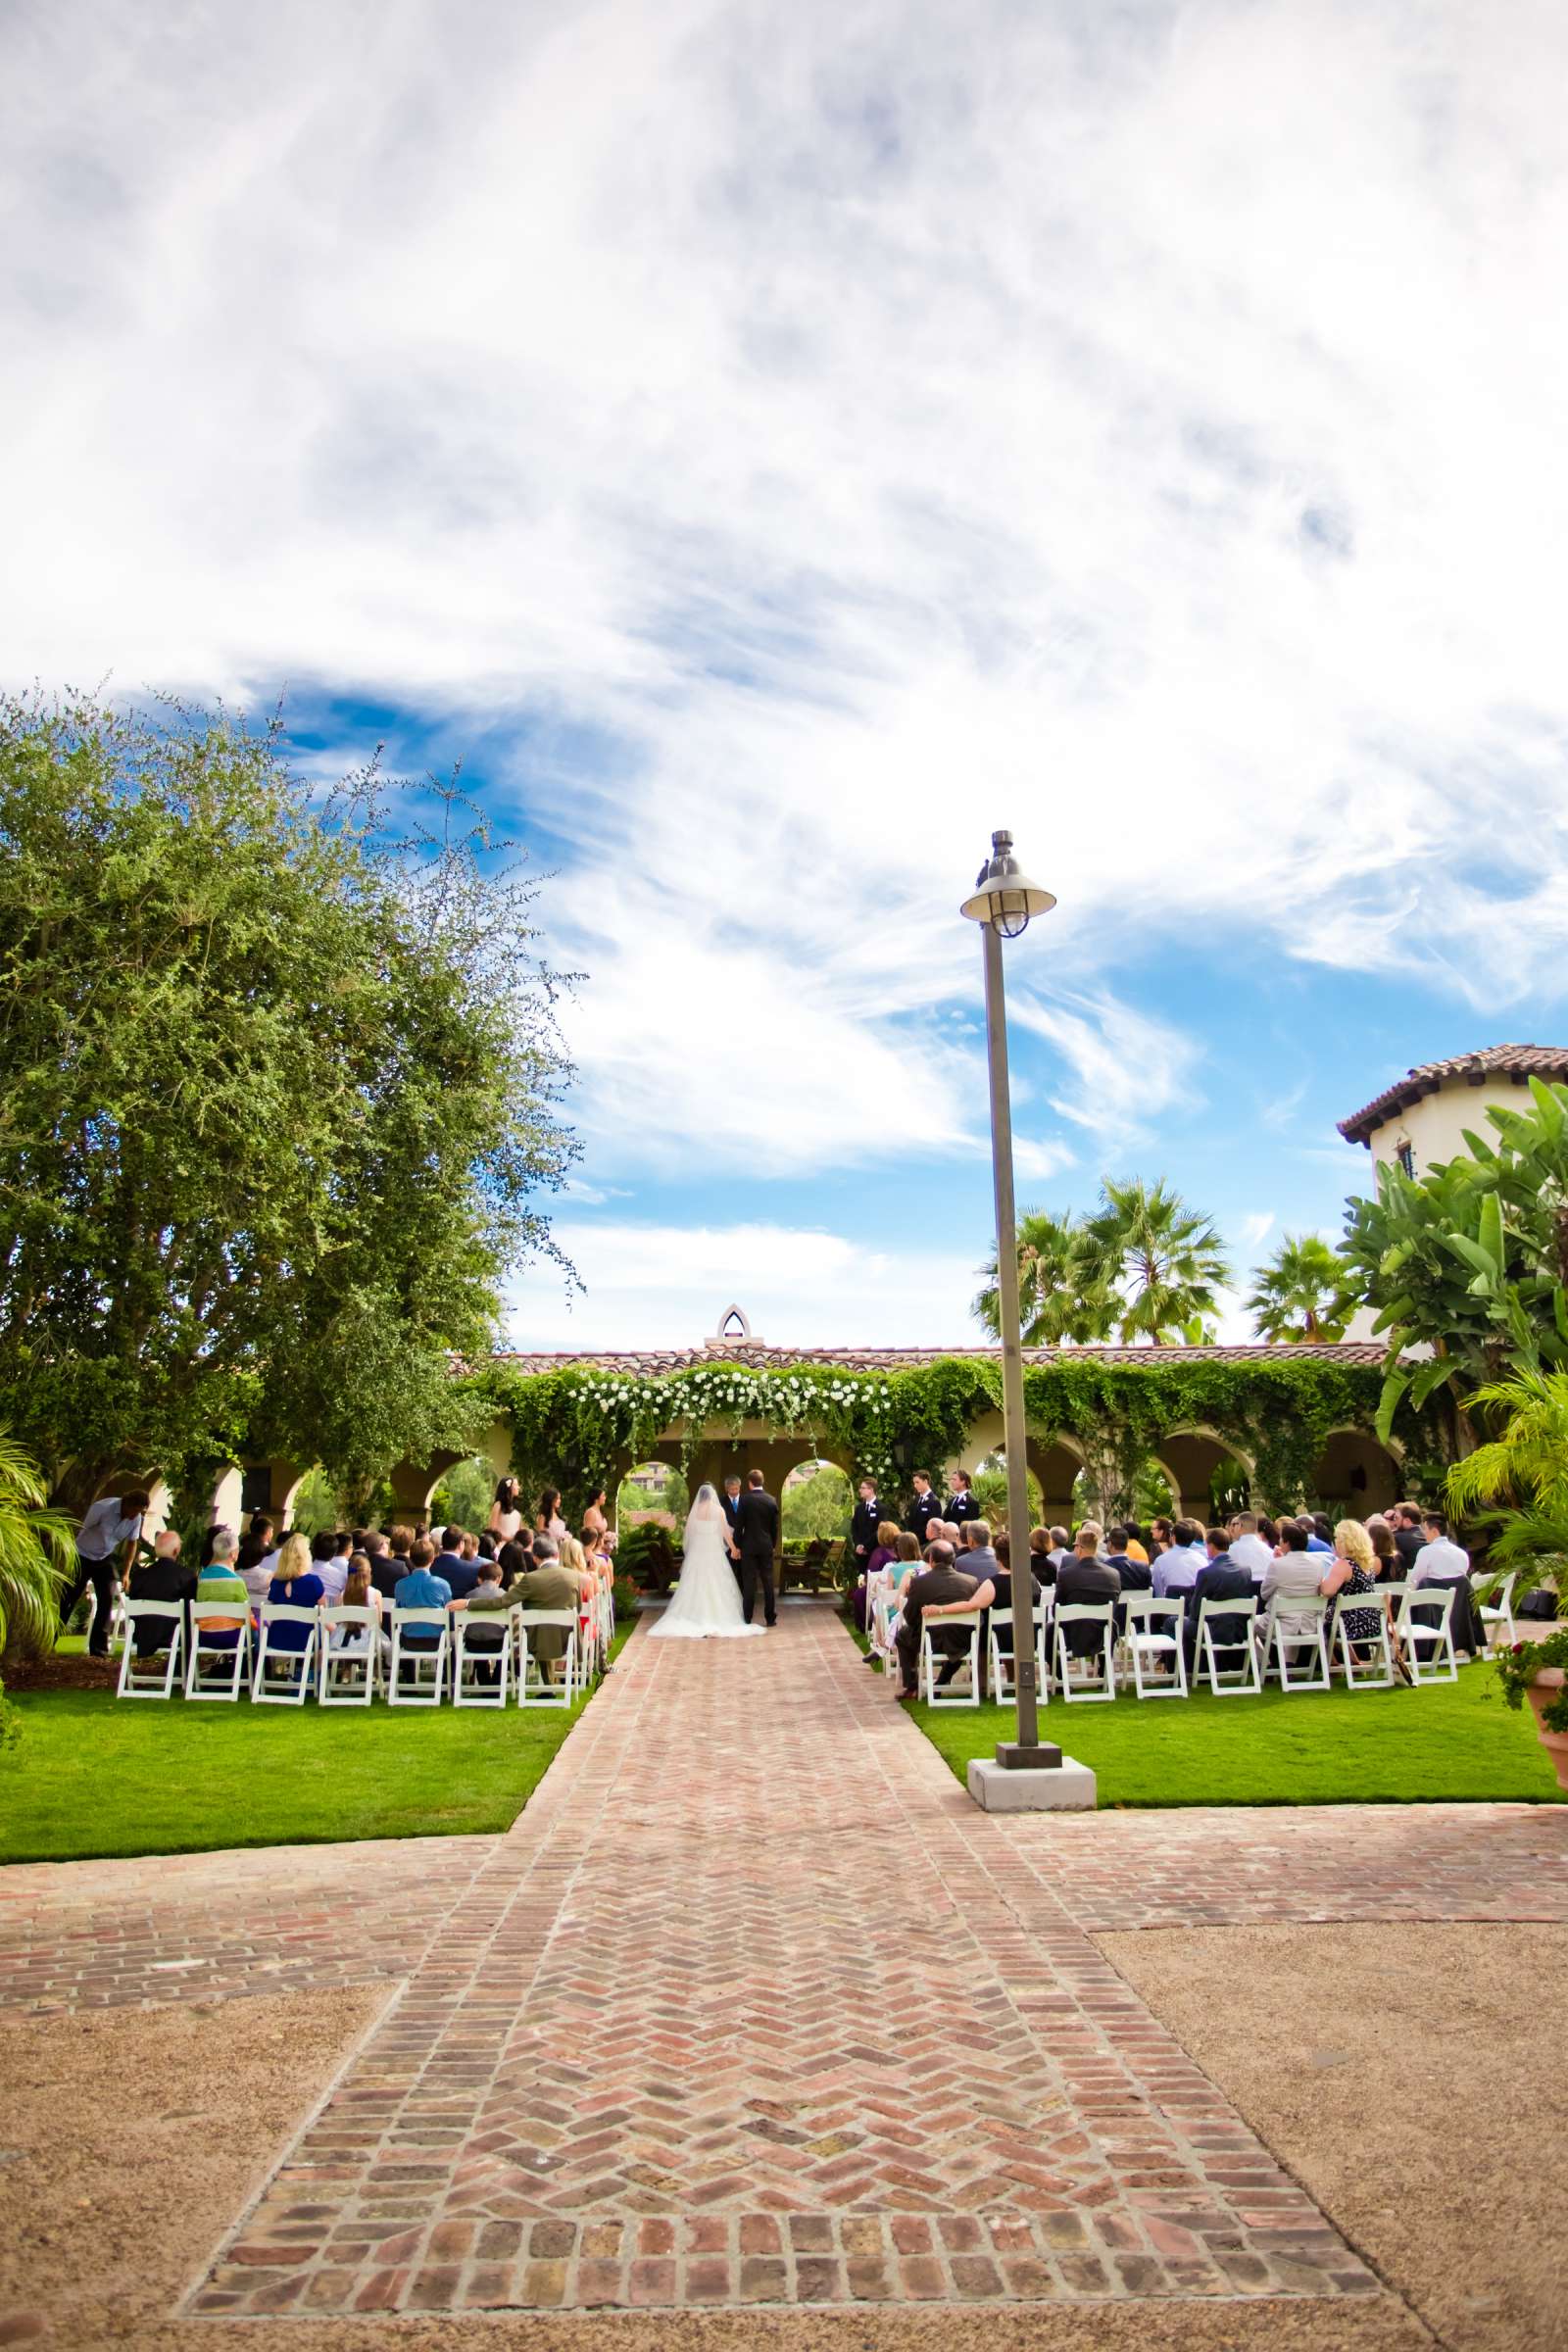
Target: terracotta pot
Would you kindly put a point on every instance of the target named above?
(1544, 1686)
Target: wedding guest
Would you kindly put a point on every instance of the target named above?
(513, 1561)
(165, 1577)
(1352, 1576)
(1086, 1579)
(549, 1521)
(549, 1584)
(330, 1558)
(1041, 1553)
(505, 1512)
(1179, 1568)
(219, 1580)
(905, 1560)
(1314, 1540)
(1223, 1579)
(937, 1587)
(887, 1540)
(420, 1588)
(359, 1593)
(1409, 1538)
(1058, 1553)
(1384, 1550)
(1135, 1546)
(962, 1503)
(1443, 1566)
(594, 1518)
(295, 1584)
(1293, 1573)
(1159, 1537)
(927, 1506)
(1248, 1549)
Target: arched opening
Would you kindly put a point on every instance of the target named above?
(1055, 1463)
(1212, 1476)
(816, 1503)
(989, 1485)
(1354, 1475)
(649, 1507)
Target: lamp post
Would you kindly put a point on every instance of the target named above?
(1003, 904)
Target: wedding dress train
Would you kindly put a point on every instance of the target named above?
(707, 1600)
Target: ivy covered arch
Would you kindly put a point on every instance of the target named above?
(884, 1414)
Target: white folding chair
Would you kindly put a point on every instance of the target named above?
(1098, 1667)
(293, 1670)
(1435, 1631)
(132, 1684)
(117, 1619)
(1376, 1672)
(418, 1657)
(1149, 1649)
(481, 1670)
(228, 1665)
(933, 1661)
(536, 1684)
(1497, 1616)
(349, 1668)
(1003, 1660)
(1309, 1615)
(1227, 1682)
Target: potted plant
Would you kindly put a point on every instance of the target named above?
(1539, 1671)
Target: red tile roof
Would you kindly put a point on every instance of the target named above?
(1515, 1062)
(657, 1361)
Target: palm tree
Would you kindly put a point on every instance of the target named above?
(1305, 1291)
(37, 1551)
(1525, 1471)
(1060, 1295)
(1160, 1262)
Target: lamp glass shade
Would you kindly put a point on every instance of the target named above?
(1003, 895)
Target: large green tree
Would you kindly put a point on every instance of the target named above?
(278, 1089)
(1304, 1292)
(1163, 1262)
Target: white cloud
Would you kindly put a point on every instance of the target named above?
(1256, 1228)
(1139, 426)
(667, 1286)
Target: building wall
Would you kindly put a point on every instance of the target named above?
(1433, 1126)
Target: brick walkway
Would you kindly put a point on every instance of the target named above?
(754, 2006)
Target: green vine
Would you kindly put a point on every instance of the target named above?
(578, 1426)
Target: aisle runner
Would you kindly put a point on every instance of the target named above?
(754, 2006)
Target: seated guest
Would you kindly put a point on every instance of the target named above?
(1444, 1565)
(1178, 1567)
(1136, 1548)
(1086, 1579)
(1248, 1549)
(487, 1600)
(449, 1562)
(385, 1571)
(1294, 1574)
(1058, 1552)
(295, 1584)
(489, 1545)
(257, 1552)
(1320, 1531)
(359, 1593)
(1002, 1581)
(1160, 1538)
(549, 1584)
(1408, 1536)
(1390, 1570)
(885, 1547)
(165, 1577)
(938, 1588)
(905, 1561)
(330, 1558)
(1350, 1576)
(1132, 1575)
(1221, 1580)
(513, 1559)
(420, 1588)
(220, 1581)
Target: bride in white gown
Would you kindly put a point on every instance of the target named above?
(707, 1599)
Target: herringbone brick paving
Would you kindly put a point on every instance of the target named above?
(752, 2007)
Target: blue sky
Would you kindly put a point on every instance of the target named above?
(772, 448)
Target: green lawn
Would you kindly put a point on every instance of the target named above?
(92, 1776)
(1449, 1743)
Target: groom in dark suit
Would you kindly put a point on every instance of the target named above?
(756, 1528)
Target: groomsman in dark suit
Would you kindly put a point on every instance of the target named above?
(927, 1506)
(961, 1504)
(864, 1526)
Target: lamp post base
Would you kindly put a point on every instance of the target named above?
(1014, 1755)
(1065, 1787)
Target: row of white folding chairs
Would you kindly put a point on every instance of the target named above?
(1303, 1625)
(411, 1671)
